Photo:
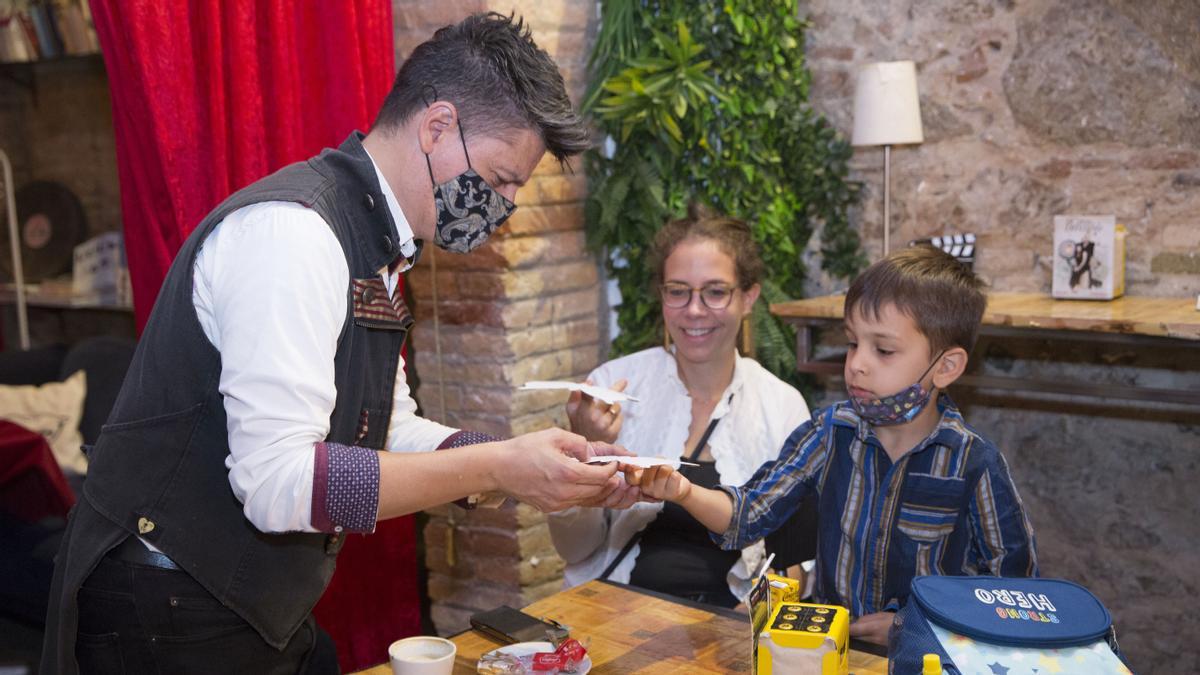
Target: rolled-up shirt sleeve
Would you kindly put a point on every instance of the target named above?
(270, 294)
(775, 491)
(345, 488)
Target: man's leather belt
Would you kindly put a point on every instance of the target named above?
(134, 551)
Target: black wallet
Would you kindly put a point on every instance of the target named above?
(507, 625)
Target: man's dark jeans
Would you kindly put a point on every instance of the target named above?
(134, 618)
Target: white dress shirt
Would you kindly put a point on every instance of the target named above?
(270, 292)
(757, 411)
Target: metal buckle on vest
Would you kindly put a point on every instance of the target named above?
(334, 543)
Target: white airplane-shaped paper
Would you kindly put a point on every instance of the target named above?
(641, 462)
(599, 393)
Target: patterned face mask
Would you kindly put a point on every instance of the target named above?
(899, 408)
(468, 209)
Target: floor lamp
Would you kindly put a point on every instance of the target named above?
(14, 240)
(887, 112)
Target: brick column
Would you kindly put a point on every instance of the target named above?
(526, 306)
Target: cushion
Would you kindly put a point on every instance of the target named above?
(53, 410)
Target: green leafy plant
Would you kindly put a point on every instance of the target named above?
(708, 101)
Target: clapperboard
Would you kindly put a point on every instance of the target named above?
(961, 246)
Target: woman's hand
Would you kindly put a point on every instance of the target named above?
(593, 419)
(661, 483)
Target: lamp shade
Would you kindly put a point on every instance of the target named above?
(886, 106)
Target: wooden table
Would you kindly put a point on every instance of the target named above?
(635, 631)
(1171, 323)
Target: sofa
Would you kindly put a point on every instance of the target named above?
(35, 493)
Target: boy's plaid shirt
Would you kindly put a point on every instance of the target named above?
(946, 507)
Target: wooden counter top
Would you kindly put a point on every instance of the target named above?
(632, 631)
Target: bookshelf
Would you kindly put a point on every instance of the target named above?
(46, 29)
(56, 126)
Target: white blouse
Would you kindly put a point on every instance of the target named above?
(757, 411)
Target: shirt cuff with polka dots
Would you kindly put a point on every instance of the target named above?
(345, 496)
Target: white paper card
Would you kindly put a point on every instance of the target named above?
(599, 393)
(641, 462)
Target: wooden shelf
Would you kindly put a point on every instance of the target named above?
(1128, 320)
(1127, 315)
(35, 297)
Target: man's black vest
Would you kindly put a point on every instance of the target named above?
(158, 468)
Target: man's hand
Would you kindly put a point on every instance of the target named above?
(660, 482)
(546, 469)
(623, 494)
(600, 449)
(622, 497)
(595, 419)
(873, 627)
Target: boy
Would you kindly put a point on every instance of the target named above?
(904, 487)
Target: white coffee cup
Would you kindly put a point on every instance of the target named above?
(422, 655)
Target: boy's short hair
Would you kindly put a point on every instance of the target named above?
(489, 67)
(943, 298)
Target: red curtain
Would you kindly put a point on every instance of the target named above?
(208, 96)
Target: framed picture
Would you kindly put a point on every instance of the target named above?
(1089, 258)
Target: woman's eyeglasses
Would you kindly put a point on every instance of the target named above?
(714, 296)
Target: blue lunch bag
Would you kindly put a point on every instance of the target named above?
(1004, 626)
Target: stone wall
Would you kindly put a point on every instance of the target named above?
(523, 307)
(1031, 109)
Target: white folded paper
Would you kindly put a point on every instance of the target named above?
(643, 462)
(599, 393)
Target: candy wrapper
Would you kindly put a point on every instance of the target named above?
(567, 659)
(499, 663)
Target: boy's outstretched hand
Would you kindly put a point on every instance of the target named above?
(658, 483)
(713, 508)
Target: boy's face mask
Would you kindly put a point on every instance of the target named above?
(899, 408)
(468, 209)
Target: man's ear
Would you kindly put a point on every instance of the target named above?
(951, 366)
(435, 122)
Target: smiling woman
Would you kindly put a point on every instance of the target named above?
(699, 401)
(707, 269)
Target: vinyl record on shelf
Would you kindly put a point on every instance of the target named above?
(51, 224)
